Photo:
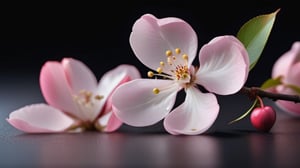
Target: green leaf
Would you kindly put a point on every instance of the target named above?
(271, 83)
(255, 33)
(246, 113)
(294, 88)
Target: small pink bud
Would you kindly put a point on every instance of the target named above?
(263, 118)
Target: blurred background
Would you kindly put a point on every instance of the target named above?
(98, 35)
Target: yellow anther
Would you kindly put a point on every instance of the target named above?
(98, 97)
(168, 53)
(162, 63)
(150, 74)
(177, 50)
(155, 90)
(184, 76)
(185, 57)
(159, 70)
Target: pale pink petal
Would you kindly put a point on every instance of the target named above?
(39, 118)
(81, 79)
(55, 88)
(79, 76)
(108, 122)
(134, 102)
(289, 107)
(113, 78)
(151, 38)
(224, 65)
(283, 63)
(293, 76)
(195, 116)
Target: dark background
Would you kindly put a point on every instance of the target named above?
(98, 35)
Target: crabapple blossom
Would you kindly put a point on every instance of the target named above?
(76, 101)
(287, 68)
(168, 46)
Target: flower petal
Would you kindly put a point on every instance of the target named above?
(283, 64)
(119, 75)
(151, 38)
(108, 122)
(224, 65)
(39, 118)
(55, 88)
(195, 116)
(134, 102)
(293, 76)
(111, 80)
(79, 76)
(289, 107)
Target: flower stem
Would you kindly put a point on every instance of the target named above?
(261, 103)
(253, 92)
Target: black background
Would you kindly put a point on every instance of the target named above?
(98, 33)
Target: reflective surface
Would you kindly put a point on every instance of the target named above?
(224, 145)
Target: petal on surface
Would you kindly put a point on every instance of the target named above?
(195, 116)
(282, 65)
(79, 76)
(134, 102)
(151, 38)
(55, 88)
(39, 118)
(224, 65)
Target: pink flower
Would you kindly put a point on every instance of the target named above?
(288, 68)
(169, 46)
(75, 99)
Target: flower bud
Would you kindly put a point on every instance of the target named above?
(288, 68)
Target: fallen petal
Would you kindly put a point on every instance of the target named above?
(40, 118)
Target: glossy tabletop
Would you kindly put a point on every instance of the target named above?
(235, 145)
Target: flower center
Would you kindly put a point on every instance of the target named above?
(85, 101)
(175, 67)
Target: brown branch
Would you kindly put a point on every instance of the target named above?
(252, 92)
